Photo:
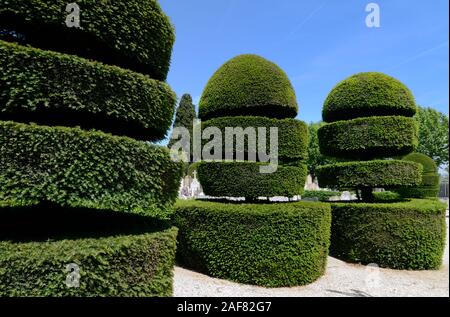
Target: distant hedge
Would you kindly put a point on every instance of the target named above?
(248, 85)
(376, 173)
(243, 179)
(429, 187)
(124, 265)
(292, 134)
(366, 95)
(132, 34)
(321, 195)
(58, 89)
(269, 245)
(404, 235)
(72, 167)
(369, 137)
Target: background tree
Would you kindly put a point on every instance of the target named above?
(433, 135)
(184, 118)
(315, 158)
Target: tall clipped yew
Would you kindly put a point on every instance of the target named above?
(369, 120)
(83, 199)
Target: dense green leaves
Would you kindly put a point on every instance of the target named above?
(248, 85)
(244, 179)
(184, 118)
(429, 187)
(133, 34)
(368, 94)
(71, 167)
(372, 174)
(125, 265)
(315, 157)
(367, 138)
(433, 135)
(270, 245)
(292, 134)
(404, 235)
(58, 89)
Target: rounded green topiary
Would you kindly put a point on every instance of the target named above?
(368, 138)
(244, 179)
(75, 168)
(58, 89)
(133, 34)
(270, 245)
(403, 235)
(429, 187)
(248, 85)
(368, 94)
(292, 134)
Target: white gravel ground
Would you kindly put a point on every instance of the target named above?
(341, 279)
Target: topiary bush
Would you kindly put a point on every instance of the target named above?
(270, 245)
(251, 85)
(369, 117)
(132, 34)
(402, 235)
(429, 187)
(58, 89)
(70, 193)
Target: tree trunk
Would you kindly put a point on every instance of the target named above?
(367, 194)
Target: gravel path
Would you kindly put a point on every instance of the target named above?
(341, 279)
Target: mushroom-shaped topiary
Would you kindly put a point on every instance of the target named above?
(429, 188)
(249, 85)
(375, 113)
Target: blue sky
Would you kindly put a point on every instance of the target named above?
(317, 43)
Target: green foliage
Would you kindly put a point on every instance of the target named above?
(58, 89)
(429, 187)
(270, 245)
(292, 134)
(366, 95)
(368, 138)
(404, 235)
(386, 196)
(72, 167)
(243, 179)
(322, 195)
(248, 85)
(433, 135)
(133, 34)
(315, 157)
(126, 265)
(372, 174)
(185, 117)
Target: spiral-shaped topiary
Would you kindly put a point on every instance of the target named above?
(62, 91)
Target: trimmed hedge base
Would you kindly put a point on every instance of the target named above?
(292, 134)
(57, 89)
(134, 34)
(133, 265)
(248, 85)
(403, 235)
(369, 137)
(368, 94)
(272, 245)
(243, 179)
(377, 173)
(75, 168)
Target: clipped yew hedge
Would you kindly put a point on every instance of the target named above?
(366, 95)
(402, 235)
(376, 173)
(248, 85)
(72, 167)
(271, 245)
(59, 89)
(133, 34)
(243, 179)
(292, 134)
(124, 265)
(369, 137)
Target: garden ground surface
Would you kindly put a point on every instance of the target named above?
(341, 279)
